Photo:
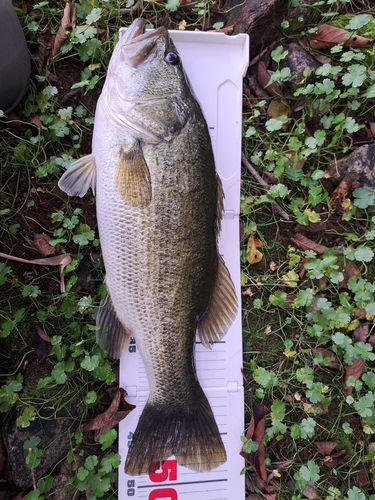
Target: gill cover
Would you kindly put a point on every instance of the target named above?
(145, 90)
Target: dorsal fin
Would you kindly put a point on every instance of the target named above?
(221, 310)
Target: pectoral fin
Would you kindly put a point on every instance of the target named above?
(112, 335)
(221, 310)
(133, 179)
(79, 177)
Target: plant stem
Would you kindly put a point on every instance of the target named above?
(275, 206)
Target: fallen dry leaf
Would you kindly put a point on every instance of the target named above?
(348, 269)
(270, 177)
(313, 125)
(264, 54)
(264, 76)
(57, 260)
(361, 332)
(364, 135)
(360, 476)
(253, 254)
(371, 340)
(305, 243)
(325, 447)
(41, 243)
(20, 496)
(336, 459)
(35, 120)
(293, 158)
(281, 465)
(273, 266)
(277, 108)
(40, 342)
(340, 194)
(68, 22)
(359, 313)
(182, 24)
(354, 370)
(255, 432)
(310, 492)
(311, 408)
(326, 353)
(118, 410)
(308, 407)
(227, 30)
(45, 44)
(327, 36)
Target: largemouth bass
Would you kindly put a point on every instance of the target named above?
(159, 204)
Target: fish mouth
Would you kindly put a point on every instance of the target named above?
(137, 44)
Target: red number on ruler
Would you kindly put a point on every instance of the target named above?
(163, 494)
(168, 470)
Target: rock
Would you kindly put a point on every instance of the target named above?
(261, 19)
(61, 492)
(4, 495)
(359, 166)
(299, 16)
(53, 428)
(298, 61)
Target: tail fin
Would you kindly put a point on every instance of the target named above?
(191, 436)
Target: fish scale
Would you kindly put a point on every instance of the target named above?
(159, 203)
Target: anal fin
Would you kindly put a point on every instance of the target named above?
(80, 176)
(112, 335)
(222, 308)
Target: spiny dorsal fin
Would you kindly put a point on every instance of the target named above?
(112, 335)
(221, 310)
(80, 176)
(133, 179)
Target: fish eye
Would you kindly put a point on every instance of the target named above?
(172, 58)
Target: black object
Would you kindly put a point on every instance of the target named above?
(14, 58)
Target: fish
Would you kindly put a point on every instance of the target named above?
(159, 203)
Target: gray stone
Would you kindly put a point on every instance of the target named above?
(298, 61)
(261, 19)
(53, 428)
(359, 166)
(61, 491)
(299, 16)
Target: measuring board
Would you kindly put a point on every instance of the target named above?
(215, 65)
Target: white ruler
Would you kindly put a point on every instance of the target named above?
(215, 65)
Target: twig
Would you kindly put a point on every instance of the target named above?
(57, 260)
(275, 206)
(33, 477)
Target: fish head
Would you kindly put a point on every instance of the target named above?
(146, 89)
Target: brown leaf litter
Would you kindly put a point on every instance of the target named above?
(326, 36)
(117, 411)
